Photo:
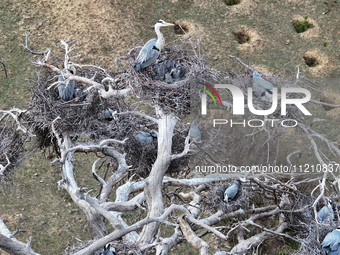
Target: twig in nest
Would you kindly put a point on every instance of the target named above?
(129, 55)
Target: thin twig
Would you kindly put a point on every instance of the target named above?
(4, 68)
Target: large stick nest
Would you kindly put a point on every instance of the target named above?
(77, 118)
(174, 97)
(85, 120)
(12, 148)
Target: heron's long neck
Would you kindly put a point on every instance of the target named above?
(160, 40)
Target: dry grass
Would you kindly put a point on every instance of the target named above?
(108, 29)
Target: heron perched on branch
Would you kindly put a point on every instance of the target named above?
(66, 91)
(231, 192)
(263, 89)
(326, 214)
(331, 243)
(151, 50)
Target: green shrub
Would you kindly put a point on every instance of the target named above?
(302, 26)
(325, 44)
(232, 2)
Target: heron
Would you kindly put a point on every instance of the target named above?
(152, 49)
(160, 70)
(331, 243)
(108, 114)
(177, 73)
(66, 91)
(79, 95)
(168, 78)
(144, 137)
(107, 250)
(195, 133)
(169, 71)
(163, 69)
(230, 192)
(326, 214)
(170, 64)
(263, 89)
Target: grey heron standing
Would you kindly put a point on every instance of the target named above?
(66, 91)
(326, 214)
(230, 192)
(151, 50)
(331, 243)
(263, 89)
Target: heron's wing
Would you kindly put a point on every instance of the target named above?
(335, 245)
(325, 214)
(161, 70)
(262, 83)
(256, 75)
(66, 91)
(231, 191)
(328, 240)
(332, 240)
(71, 85)
(143, 137)
(148, 54)
(322, 214)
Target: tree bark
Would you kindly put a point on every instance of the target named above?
(14, 247)
(153, 189)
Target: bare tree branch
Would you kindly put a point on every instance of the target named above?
(4, 68)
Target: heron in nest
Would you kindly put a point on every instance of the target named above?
(326, 214)
(195, 133)
(107, 250)
(169, 71)
(144, 137)
(152, 49)
(331, 243)
(263, 89)
(66, 91)
(231, 192)
(109, 113)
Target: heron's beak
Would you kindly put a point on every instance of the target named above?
(169, 24)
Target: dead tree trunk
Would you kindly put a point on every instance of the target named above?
(95, 220)
(153, 188)
(13, 247)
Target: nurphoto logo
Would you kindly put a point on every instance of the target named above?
(238, 104)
